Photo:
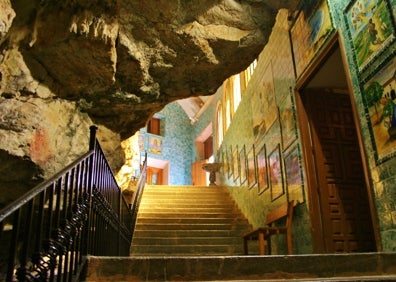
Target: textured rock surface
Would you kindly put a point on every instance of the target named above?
(65, 65)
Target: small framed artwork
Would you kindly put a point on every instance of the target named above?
(371, 33)
(293, 174)
(262, 170)
(379, 94)
(251, 168)
(155, 145)
(230, 167)
(287, 122)
(243, 165)
(235, 163)
(219, 158)
(310, 31)
(275, 173)
(263, 104)
(141, 142)
(223, 161)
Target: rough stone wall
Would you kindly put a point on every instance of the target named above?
(66, 65)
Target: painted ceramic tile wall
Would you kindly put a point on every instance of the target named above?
(382, 166)
(177, 144)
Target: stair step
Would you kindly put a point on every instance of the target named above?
(186, 206)
(175, 192)
(183, 210)
(188, 194)
(186, 249)
(187, 226)
(143, 220)
(189, 240)
(183, 204)
(185, 233)
(193, 214)
(175, 201)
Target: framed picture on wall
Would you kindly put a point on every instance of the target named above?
(379, 94)
(275, 173)
(251, 168)
(222, 160)
(235, 163)
(287, 122)
(225, 162)
(141, 142)
(155, 145)
(263, 104)
(219, 158)
(371, 29)
(243, 164)
(262, 170)
(293, 174)
(310, 30)
(230, 167)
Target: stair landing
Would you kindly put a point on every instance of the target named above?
(329, 267)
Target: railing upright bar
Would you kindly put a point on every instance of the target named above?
(65, 196)
(51, 209)
(72, 199)
(54, 218)
(56, 188)
(77, 183)
(39, 230)
(23, 254)
(13, 246)
(88, 236)
(119, 222)
(92, 137)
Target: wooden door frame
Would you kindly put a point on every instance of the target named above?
(318, 239)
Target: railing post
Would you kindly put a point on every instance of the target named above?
(92, 136)
(89, 191)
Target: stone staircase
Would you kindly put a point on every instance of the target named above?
(194, 234)
(188, 220)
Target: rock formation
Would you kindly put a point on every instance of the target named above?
(65, 65)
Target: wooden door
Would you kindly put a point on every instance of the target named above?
(154, 176)
(341, 192)
(198, 175)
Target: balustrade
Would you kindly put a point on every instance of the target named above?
(46, 234)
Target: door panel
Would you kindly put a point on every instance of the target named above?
(344, 207)
(154, 176)
(198, 174)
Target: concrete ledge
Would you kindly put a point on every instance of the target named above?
(335, 267)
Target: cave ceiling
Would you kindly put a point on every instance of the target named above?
(122, 61)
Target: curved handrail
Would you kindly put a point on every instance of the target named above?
(139, 192)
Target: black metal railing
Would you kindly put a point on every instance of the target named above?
(46, 234)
